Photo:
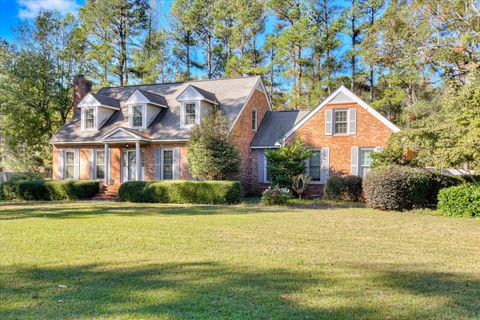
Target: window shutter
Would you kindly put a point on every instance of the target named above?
(182, 114)
(130, 116)
(328, 122)
(306, 164)
(325, 165)
(60, 163)
(354, 162)
(176, 163)
(198, 109)
(158, 164)
(76, 172)
(261, 166)
(82, 119)
(91, 160)
(352, 121)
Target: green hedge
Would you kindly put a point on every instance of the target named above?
(57, 190)
(463, 200)
(404, 188)
(343, 188)
(180, 191)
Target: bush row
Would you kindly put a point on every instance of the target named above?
(49, 190)
(405, 188)
(179, 191)
(463, 200)
(347, 188)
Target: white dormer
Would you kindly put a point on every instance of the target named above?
(195, 103)
(96, 110)
(143, 108)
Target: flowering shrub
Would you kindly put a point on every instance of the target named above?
(276, 195)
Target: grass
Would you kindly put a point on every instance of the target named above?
(147, 261)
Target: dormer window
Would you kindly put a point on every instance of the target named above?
(190, 113)
(137, 115)
(89, 118)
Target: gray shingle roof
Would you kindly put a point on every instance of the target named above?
(274, 126)
(206, 94)
(155, 98)
(106, 101)
(230, 93)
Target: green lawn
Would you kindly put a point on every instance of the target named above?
(127, 261)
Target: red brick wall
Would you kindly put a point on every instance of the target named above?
(243, 135)
(371, 132)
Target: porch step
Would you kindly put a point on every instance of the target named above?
(109, 192)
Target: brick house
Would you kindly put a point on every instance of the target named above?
(140, 132)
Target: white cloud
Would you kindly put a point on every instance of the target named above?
(29, 9)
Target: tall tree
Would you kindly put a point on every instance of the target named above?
(295, 32)
(353, 17)
(110, 26)
(35, 88)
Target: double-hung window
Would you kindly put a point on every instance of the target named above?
(137, 115)
(190, 113)
(167, 164)
(89, 118)
(313, 166)
(365, 161)
(340, 121)
(99, 164)
(69, 164)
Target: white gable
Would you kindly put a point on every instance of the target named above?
(342, 94)
(137, 98)
(121, 134)
(89, 101)
(190, 94)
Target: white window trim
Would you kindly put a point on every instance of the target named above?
(360, 166)
(96, 151)
(163, 161)
(256, 119)
(307, 167)
(144, 115)
(65, 164)
(334, 122)
(198, 110)
(84, 118)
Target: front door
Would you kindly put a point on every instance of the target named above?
(130, 165)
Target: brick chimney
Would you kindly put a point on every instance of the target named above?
(81, 87)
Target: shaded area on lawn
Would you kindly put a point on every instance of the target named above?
(214, 290)
(82, 210)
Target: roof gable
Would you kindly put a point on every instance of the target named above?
(97, 100)
(342, 94)
(194, 93)
(142, 96)
(122, 134)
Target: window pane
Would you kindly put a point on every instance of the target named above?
(314, 166)
(89, 121)
(168, 164)
(69, 165)
(137, 116)
(100, 164)
(340, 121)
(366, 157)
(254, 120)
(189, 113)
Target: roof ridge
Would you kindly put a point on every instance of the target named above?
(177, 82)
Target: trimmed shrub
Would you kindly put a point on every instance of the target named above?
(343, 188)
(181, 191)
(462, 201)
(33, 190)
(276, 196)
(404, 188)
(57, 190)
(9, 189)
(132, 191)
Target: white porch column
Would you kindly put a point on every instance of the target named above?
(138, 158)
(107, 163)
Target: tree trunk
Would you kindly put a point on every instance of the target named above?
(209, 56)
(354, 44)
